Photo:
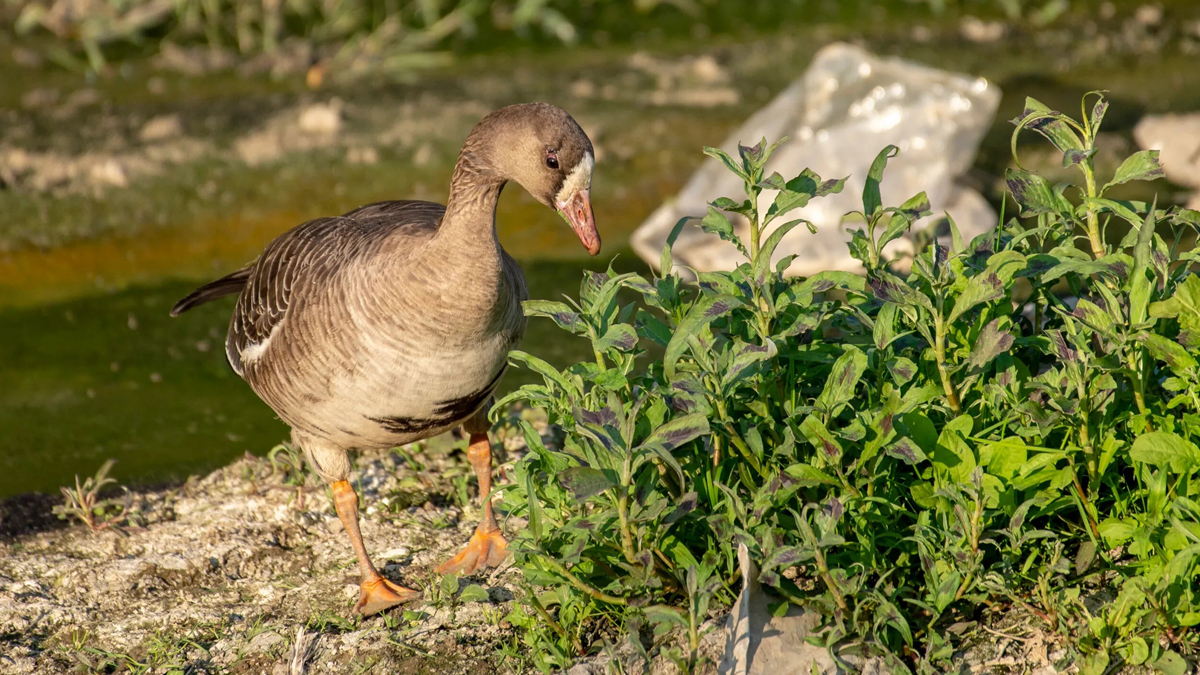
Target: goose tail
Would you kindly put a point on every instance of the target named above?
(226, 285)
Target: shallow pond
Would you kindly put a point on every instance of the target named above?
(91, 366)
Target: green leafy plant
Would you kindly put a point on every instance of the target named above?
(1010, 420)
(83, 502)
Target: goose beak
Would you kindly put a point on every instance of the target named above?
(576, 209)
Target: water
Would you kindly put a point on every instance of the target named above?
(91, 366)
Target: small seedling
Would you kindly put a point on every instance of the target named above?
(83, 502)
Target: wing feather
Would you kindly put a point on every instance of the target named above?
(306, 257)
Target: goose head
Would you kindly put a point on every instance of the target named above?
(543, 149)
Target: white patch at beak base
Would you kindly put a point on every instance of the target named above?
(579, 179)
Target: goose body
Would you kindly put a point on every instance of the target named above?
(369, 331)
(392, 323)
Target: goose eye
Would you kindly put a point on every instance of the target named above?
(552, 159)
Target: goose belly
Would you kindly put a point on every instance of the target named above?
(388, 397)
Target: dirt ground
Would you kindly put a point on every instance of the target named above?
(243, 571)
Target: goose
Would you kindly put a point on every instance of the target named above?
(392, 323)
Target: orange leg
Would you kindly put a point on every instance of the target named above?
(487, 547)
(378, 593)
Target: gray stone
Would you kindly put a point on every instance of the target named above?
(847, 106)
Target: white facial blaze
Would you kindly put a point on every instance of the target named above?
(580, 179)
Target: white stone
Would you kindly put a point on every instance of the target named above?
(161, 128)
(847, 107)
(321, 118)
(1177, 138)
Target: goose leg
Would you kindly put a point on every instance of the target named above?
(378, 593)
(487, 547)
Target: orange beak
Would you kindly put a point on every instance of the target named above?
(577, 210)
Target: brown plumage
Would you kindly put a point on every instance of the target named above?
(393, 322)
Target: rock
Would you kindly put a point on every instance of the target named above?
(321, 118)
(1177, 138)
(759, 643)
(301, 129)
(39, 98)
(698, 82)
(978, 30)
(1148, 15)
(160, 128)
(847, 106)
(367, 155)
(109, 173)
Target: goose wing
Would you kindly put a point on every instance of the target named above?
(302, 258)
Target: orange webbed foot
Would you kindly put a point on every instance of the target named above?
(379, 594)
(486, 549)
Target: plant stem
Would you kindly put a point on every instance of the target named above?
(753, 192)
(581, 585)
(939, 352)
(541, 611)
(1087, 508)
(1135, 372)
(823, 571)
(623, 517)
(1093, 220)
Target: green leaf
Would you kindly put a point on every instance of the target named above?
(621, 337)
(449, 585)
(1163, 449)
(716, 223)
(909, 212)
(884, 332)
(1141, 285)
(1049, 123)
(1139, 651)
(1171, 663)
(843, 379)
(761, 266)
(1125, 210)
(1184, 305)
(705, 311)
(903, 370)
(1141, 165)
(585, 481)
(744, 356)
(1035, 195)
(547, 371)
(664, 618)
(1094, 317)
(906, 451)
(1115, 532)
(1095, 663)
(889, 288)
(872, 202)
(802, 290)
(1073, 157)
(1170, 352)
(982, 288)
(724, 158)
(678, 432)
(821, 439)
(992, 342)
(666, 260)
(562, 314)
(473, 593)
(652, 327)
(1004, 458)
(952, 454)
(799, 191)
